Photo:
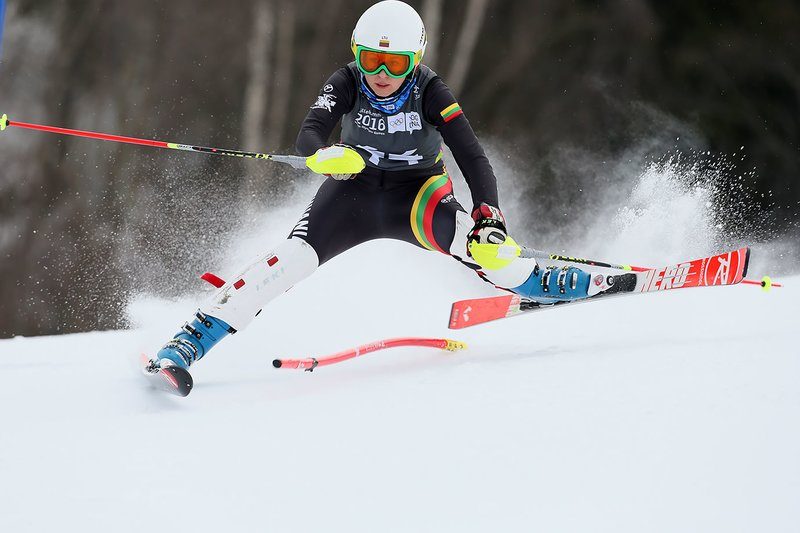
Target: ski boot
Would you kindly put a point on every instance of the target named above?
(566, 283)
(193, 341)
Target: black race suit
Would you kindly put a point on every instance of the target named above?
(394, 197)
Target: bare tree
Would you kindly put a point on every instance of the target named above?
(467, 39)
(256, 91)
(256, 96)
(432, 16)
(282, 80)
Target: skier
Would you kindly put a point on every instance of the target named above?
(395, 112)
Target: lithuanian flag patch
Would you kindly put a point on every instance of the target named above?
(451, 112)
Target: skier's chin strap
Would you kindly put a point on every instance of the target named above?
(390, 104)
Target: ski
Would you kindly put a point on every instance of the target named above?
(172, 379)
(727, 268)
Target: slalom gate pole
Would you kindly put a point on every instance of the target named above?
(766, 283)
(310, 363)
(295, 161)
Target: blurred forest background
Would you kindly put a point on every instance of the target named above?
(85, 223)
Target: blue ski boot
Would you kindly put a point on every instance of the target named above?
(193, 341)
(554, 283)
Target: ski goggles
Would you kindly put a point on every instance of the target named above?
(394, 64)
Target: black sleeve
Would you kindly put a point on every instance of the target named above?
(336, 98)
(437, 103)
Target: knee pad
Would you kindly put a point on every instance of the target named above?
(239, 301)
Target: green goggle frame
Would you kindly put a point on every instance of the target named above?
(412, 61)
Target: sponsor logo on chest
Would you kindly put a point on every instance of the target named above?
(379, 124)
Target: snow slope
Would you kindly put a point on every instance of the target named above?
(666, 412)
(673, 412)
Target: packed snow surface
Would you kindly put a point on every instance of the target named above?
(668, 412)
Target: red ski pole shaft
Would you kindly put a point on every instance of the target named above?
(295, 161)
(765, 283)
(310, 363)
(88, 134)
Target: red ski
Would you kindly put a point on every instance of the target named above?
(172, 379)
(727, 268)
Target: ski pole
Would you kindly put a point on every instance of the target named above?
(344, 161)
(310, 363)
(538, 254)
(766, 282)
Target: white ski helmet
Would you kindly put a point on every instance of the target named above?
(391, 26)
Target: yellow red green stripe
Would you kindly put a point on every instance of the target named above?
(428, 197)
(451, 112)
